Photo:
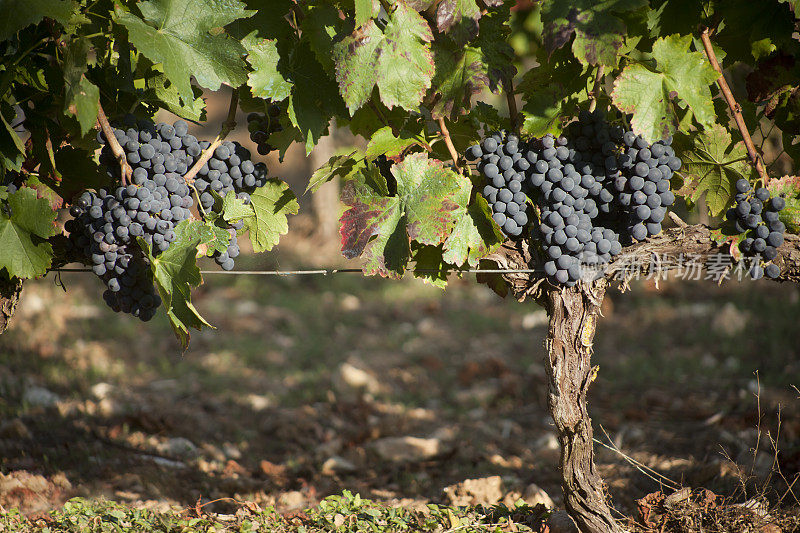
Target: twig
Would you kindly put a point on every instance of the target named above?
(378, 112)
(449, 142)
(735, 108)
(596, 88)
(513, 114)
(116, 149)
(227, 127)
(677, 220)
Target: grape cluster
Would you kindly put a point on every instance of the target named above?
(107, 222)
(597, 188)
(103, 230)
(756, 215)
(230, 169)
(261, 126)
(503, 164)
(154, 148)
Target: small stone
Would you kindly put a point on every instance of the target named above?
(231, 451)
(337, 465)
(481, 491)
(561, 522)
(730, 320)
(40, 397)
(178, 447)
(535, 495)
(292, 500)
(101, 391)
(350, 377)
(258, 402)
(350, 302)
(406, 449)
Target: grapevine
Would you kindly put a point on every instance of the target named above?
(592, 128)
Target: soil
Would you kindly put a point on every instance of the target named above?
(395, 390)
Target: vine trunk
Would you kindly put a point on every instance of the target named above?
(573, 317)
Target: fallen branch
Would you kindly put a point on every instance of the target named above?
(125, 169)
(449, 143)
(227, 127)
(735, 108)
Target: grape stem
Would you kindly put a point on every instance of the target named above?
(449, 143)
(227, 127)
(596, 88)
(513, 114)
(735, 108)
(116, 148)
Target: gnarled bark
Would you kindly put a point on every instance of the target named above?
(573, 317)
(10, 290)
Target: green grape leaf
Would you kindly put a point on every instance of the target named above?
(26, 222)
(82, 97)
(398, 60)
(270, 20)
(749, 29)
(551, 92)
(12, 151)
(430, 267)
(459, 18)
(789, 188)
(175, 273)
(343, 166)
(322, 26)
(184, 35)
(314, 97)
(271, 204)
(656, 97)
(265, 81)
(379, 228)
(384, 142)
(234, 209)
(474, 237)
(365, 10)
(599, 33)
(711, 166)
(492, 41)
(216, 239)
(157, 84)
(18, 14)
(485, 114)
(460, 74)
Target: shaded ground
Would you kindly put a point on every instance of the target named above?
(313, 385)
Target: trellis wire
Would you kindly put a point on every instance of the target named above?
(331, 271)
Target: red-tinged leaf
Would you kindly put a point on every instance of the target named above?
(430, 199)
(397, 59)
(725, 235)
(599, 33)
(363, 221)
(459, 18)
